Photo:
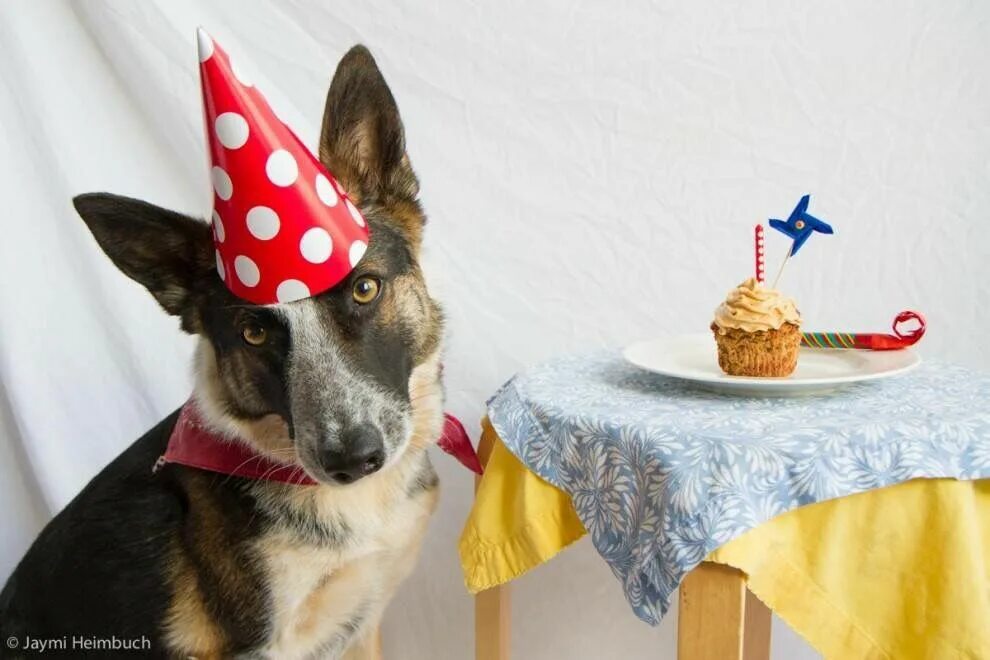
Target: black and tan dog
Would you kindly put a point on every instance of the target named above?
(345, 385)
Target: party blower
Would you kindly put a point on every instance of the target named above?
(799, 226)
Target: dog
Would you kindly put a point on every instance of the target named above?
(345, 386)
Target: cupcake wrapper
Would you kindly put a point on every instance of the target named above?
(765, 353)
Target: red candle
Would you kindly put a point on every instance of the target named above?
(758, 247)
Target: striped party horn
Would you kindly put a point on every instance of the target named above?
(870, 341)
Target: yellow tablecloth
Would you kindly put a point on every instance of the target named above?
(901, 572)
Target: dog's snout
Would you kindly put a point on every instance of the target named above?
(363, 453)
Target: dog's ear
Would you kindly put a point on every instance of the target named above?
(167, 252)
(362, 141)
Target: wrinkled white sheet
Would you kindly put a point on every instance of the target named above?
(592, 172)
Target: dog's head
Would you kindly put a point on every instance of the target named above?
(341, 383)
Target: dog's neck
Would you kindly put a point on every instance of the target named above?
(317, 513)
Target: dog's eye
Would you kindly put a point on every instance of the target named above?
(366, 289)
(254, 335)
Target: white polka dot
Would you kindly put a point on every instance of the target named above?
(247, 271)
(357, 251)
(220, 271)
(231, 129)
(355, 213)
(218, 227)
(281, 168)
(290, 290)
(262, 222)
(241, 76)
(316, 245)
(205, 44)
(325, 191)
(222, 183)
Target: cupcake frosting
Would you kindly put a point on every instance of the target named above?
(752, 307)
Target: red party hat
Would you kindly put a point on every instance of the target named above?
(283, 227)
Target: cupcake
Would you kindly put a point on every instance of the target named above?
(757, 331)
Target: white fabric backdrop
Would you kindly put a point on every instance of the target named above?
(592, 174)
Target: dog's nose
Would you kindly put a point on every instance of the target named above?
(363, 454)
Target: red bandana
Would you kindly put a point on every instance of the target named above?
(192, 443)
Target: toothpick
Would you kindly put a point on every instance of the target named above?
(780, 272)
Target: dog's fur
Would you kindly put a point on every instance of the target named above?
(207, 565)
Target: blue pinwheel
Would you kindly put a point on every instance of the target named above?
(800, 225)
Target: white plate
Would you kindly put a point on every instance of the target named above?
(694, 358)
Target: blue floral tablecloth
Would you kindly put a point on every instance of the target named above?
(661, 473)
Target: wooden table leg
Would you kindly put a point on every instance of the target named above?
(756, 629)
(719, 619)
(376, 645)
(492, 617)
(491, 624)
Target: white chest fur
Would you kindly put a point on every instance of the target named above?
(323, 597)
